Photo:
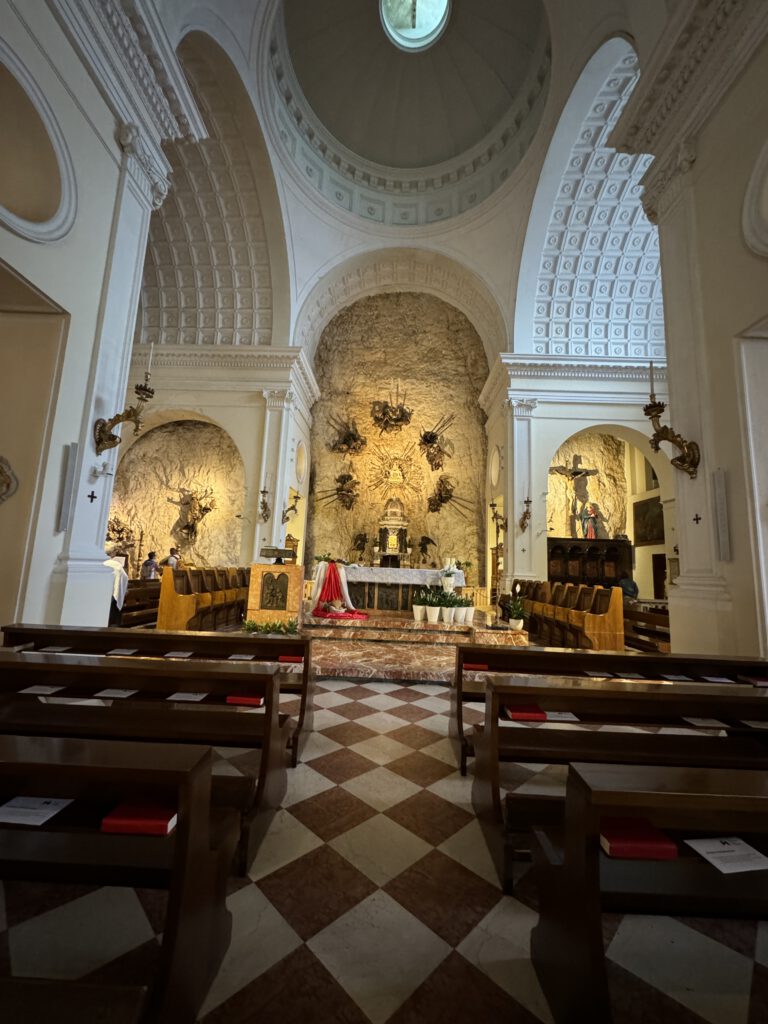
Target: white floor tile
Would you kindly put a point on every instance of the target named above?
(429, 689)
(304, 782)
(381, 702)
(550, 782)
(325, 718)
(436, 723)
(380, 788)
(329, 700)
(380, 848)
(468, 847)
(335, 684)
(249, 953)
(443, 750)
(432, 704)
(80, 936)
(500, 947)
(379, 953)
(456, 788)
(381, 749)
(286, 840)
(318, 746)
(380, 721)
(708, 977)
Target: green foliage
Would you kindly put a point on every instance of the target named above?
(328, 557)
(289, 628)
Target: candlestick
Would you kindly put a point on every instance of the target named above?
(151, 354)
(650, 380)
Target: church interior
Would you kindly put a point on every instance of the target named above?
(383, 530)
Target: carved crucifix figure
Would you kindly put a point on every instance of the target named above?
(579, 477)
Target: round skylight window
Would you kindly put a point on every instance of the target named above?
(414, 24)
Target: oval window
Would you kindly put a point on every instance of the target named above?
(414, 24)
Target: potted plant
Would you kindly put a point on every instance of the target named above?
(419, 605)
(515, 612)
(469, 614)
(447, 580)
(460, 611)
(432, 605)
(448, 604)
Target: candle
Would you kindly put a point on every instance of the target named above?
(151, 353)
(650, 378)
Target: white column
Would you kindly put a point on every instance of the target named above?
(81, 585)
(275, 466)
(518, 544)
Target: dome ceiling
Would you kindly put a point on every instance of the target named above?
(413, 110)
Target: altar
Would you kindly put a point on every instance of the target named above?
(391, 590)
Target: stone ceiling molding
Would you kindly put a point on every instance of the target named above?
(707, 45)
(207, 276)
(401, 270)
(755, 213)
(60, 224)
(385, 195)
(598, 288)
(134, 65)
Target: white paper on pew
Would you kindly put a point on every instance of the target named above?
(599, 675)
(631, 675)
(670, 730)
(76, 700)
(178, 654)
(53, 650)
(706, 723)
(124, 652)
(716, 679)
(677, 679)
(187, 696)
(755, 725)
(31, 810)
(241, 657)
(729, 855)
(115, 693)
(42, 691)
(561, 716)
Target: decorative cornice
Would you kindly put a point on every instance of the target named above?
(133, 64)
(528, 369)
(387, 195)
(705, 47)
(663, 181)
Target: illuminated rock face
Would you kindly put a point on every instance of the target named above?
(431, 352)
(602, 482)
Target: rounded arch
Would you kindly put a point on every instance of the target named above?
(399, 270)
(589, 282)
(662, 467)
(216, 271)
(159, 418)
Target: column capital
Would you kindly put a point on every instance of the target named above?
(279, 398)
(521, 407)
(151, 177)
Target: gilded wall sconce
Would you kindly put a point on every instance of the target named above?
(525, 518)
(264, 510)
(690, 454)
(292, 509)
(103, 437)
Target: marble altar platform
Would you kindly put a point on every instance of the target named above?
(373, 589)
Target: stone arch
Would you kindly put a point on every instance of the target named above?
(216, 271)
(589, 283)
(400, 270)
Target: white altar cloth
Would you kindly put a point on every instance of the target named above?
(405, 577)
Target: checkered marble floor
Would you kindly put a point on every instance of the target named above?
(373, 899)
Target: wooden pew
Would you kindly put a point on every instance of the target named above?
(469, 683)
(255, 648)
(201, 598)
(140, 604)
(645, 630)
(576, 881)
(191, 863)
(608, 703)
(256, 787)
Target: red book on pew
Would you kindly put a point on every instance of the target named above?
(295, 659)
(525, 713)
(635, 838)
(245, 698)
(469, 667)
(140, 819)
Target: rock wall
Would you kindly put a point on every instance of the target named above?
(588, 469)
(431, 352)
(167, 479)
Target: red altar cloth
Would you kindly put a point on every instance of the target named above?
(331, 591)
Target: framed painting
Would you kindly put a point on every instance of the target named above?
(648, 518)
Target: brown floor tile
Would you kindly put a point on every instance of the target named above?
(298, 988)
(28, 899)
(155, 905)
(472, 716)
(5, 956)
(415, 736)
(137, 967)
(314, 890)
(456, 993)
(405, 693)
(342, 765)
(290, 707)
(739, 935)
(332, 812)
(429, 816)
(635, 1002)
(445, 895)
(758, 1006)
(356, 693)
(353, 710)
(410, 713)
(349, 733)
(419, 768)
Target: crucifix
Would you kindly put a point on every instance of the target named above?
(697, 519)
(579, 477)
(91, 497)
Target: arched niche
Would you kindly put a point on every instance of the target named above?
(755, 212)
(589, 283)
(401, 270)
(38, 198)
(216, 270)
(162, 475)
